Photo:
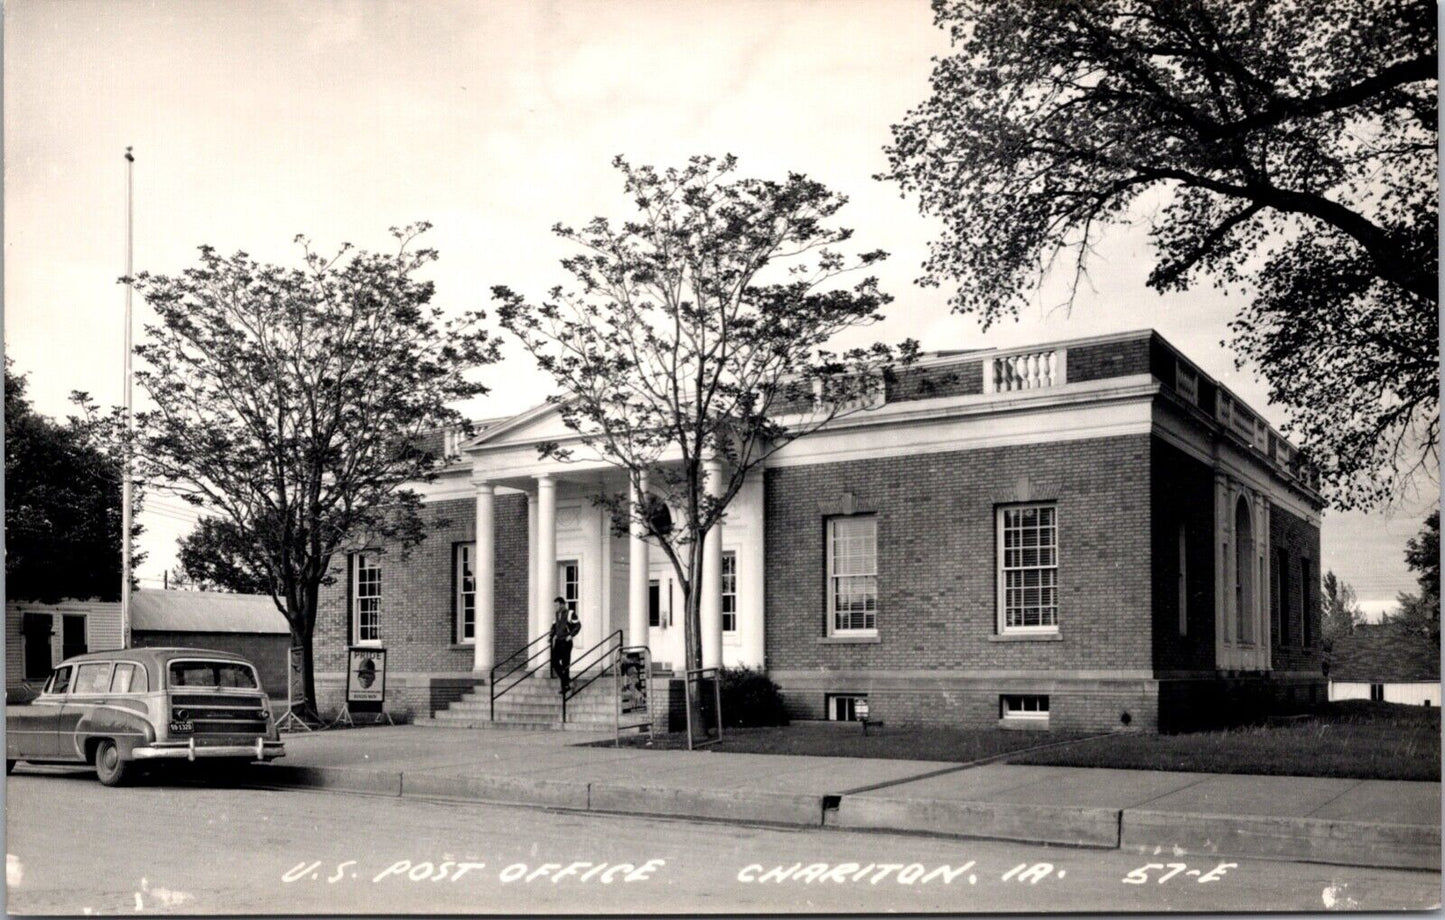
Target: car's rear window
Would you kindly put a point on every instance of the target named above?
(224, 675)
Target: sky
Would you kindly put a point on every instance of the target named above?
(253, 122)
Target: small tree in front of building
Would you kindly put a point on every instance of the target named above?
(289, 403)
(698, 330)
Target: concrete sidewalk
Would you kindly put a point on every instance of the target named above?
(1350, 822)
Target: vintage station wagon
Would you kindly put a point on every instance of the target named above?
(114, 709)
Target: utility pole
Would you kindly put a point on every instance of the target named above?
(127, 473)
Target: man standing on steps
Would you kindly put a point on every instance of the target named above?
(565, 625)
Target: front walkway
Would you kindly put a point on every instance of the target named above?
(1351, 822)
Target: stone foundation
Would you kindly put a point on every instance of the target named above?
(1075, 704)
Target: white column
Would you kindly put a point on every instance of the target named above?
(712, 577)
(484, 569)
(1221, 569)
(546, 553)
(637, 574)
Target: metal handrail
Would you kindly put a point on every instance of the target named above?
(606, 660)
(492, 677)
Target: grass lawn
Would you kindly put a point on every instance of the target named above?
(1356, 739)
(1353, 739)
(846, 739)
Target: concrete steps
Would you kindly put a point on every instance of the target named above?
(536, 704)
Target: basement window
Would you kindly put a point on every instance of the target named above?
(843, 707)
(1024, 708)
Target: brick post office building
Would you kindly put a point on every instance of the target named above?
(1079, 535)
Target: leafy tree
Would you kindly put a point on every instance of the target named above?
(1419, 614)
(215, 557)
(288, 400)
(1340, 612)
(1284, 149)
(62, 501)
(1422, 555)
(698, 330)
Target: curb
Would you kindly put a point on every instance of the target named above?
(346, 779)
(1347, 843)
(1322, 840)
(795, 809)
(1068, 825)
(508, 790)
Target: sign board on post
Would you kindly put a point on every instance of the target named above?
(365, 679)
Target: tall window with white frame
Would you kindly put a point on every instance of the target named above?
(853, 575)
(366, 598)
(1028, 577)
(466, 587)
(569, 583)
(730, 592)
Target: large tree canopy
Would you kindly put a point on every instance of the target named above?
(289, 402)
(214, 556)
(62, 502)
(1287, 150)
(698, 330)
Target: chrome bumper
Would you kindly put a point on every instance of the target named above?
(189, 750)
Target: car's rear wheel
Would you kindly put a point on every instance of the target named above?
(109, 767)
(9, 767)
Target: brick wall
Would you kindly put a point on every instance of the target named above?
(1109, 359)
(936, 557)
(961, 379)
(1299, 541)
(1183, 494)
(418, 611)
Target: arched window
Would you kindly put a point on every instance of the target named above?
(1243, 572)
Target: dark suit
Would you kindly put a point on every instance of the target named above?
(564, 627)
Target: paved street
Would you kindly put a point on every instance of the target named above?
(75, 847)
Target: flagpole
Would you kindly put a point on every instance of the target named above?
(127, 474)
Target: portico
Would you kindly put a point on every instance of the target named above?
(614, 582)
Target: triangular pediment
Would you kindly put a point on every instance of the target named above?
(540, 423)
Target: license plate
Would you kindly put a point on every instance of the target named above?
(186, 726)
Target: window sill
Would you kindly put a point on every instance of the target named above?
(458, 646)
(849, 640)
(1026, 637)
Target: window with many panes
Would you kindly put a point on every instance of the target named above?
(853, 575)
(366, 597)
(569, 583)
(1028, 559)
(466, 570)
(1023, 707)
(730, 592)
